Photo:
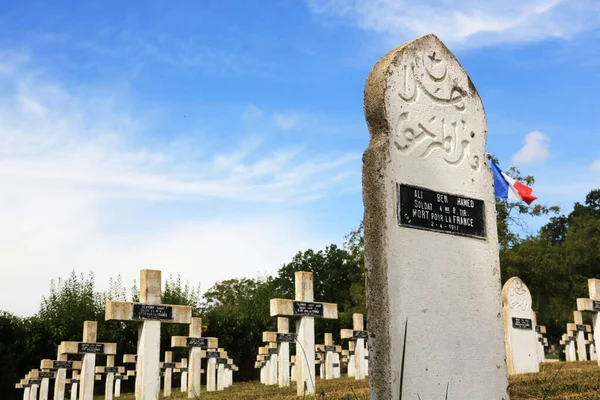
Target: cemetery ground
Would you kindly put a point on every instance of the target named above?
(555, 381)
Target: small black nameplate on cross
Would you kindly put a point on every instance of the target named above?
(221, 361)
(522, 323)
(443, 212)
(273, 351)
(286, 337)
(153, 312)
(360, 334)
(183, 369)
(111, 370)
(197, 342)
(366, 357)
(168, 365)
(62, 364)
(317, 357)
(329, 348)
(541, 339)
(596, 305)
(74, 381)
(46, 374)
(538, 329)
(309, 309)
(118, 377)
(351, 353)
(90, 348)
(581, 328)
(335, 365)
(34, 381)
(213, 354)
(572, 338)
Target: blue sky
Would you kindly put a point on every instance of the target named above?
(215, 139)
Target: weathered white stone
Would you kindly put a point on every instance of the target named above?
(305, 328)
(428, 131)
(147, 383)
(283, 372)
(90, 348)
(578, 329)
(521, 337)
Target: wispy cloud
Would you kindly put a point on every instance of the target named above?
(72, 160)
(535, 149)
(468, 23)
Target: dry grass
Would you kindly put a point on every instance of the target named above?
(557, 381)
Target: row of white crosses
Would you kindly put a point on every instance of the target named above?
(357, 355)
(330, 353)
(592, 304)
(304, 310)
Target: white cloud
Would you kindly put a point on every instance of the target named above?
(595, 165)
(535, 149)
(468, 23)
(286, 121)
(70, 161)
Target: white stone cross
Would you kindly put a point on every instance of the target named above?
(182, 367)
(220, 367)
(61, 365)
(196, 343)
(119, 377)
(89, 348)
(110, 370)
(74, 385)
(283, 338)
(431, 244)
(150, 313)
(211, 367)
(304, 309)
(34, 383)
(359, 336)
(330, 351)
(167, 367)
(580, 329)
(521, 337)
(593, 305)
(541, 330)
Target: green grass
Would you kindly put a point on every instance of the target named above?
(556, 381)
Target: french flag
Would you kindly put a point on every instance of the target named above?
(506, 187)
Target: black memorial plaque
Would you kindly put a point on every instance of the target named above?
(111, 370)
(309, 309)
(183, 369)
(336, 365)
(152, 312)
(90, 348)
(168, 365)
(273, 351)
(118, 377)
(572, 339)
(286, 337)
(213, 354)
(522, 323)
(46, 374)
(74, 381)
(351, 352)
(596, 305)
(360, 334)
(422, 208)
(581, 328)
(221, 361)
(541, 339)
(62, 364)
(317, 357)
(538, 329)
(329, 348)
(34, 381)
(197, 342)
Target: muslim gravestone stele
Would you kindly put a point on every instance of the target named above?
(521, 337)
(430, 231)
